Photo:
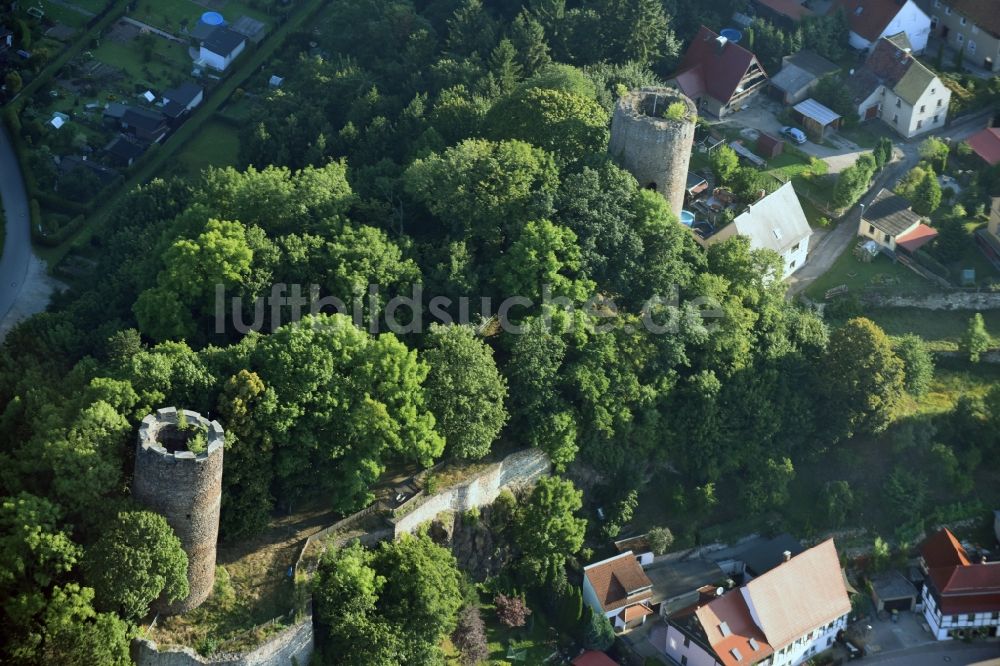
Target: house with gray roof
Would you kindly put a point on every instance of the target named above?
(895, 87)
(800, 73)
(776, 222)
(891, 222)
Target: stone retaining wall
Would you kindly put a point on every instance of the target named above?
(518, 469)
(953, 300)
(293, 645)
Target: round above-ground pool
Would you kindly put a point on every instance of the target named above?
(212, 18)
(731, 34)
(687, 218)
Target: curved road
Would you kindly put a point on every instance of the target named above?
(17, 243)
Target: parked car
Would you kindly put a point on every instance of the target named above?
(795, 134)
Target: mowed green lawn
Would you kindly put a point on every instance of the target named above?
(67, 15)
(880, 273)
(216, 144)
(169, 14)
(168, 65)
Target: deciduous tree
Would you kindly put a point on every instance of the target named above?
(137, 559)
(977, 338)
(864, 377)
(465, 391)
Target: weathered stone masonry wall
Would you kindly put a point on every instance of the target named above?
(186, 489)
(652, 148)
(295, 642)
(518, 469)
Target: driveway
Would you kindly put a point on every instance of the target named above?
(762, 115)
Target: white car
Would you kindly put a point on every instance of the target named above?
(795, 134)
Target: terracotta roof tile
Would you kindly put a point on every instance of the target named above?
(874, 18)
(960, 586)
(986, 144)
(915, 239)
(635, 611)
(732, 610)
(619, 581)
(942, 549)
(796, 597)
(594, 658)
(709, 68)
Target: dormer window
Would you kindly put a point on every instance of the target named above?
(724, 629)
(754, 645)
(736, 654)
(857, 12)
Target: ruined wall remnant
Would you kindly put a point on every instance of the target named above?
(178, 474)
(653, 148)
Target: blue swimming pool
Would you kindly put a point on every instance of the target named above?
(687, 218)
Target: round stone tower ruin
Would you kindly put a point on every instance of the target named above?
(652, 147)
(178, 474)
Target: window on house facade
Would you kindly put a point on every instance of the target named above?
(962, 20)
(684, 660)
(920, 124)
(871, 229)
(899, 102)
(923, 108)
(887, 237)
(970, 617)
(795, 248)
(895, 119)
(940, 102)
(937, 119)
(972, 46)
(791, 265)
(960, 38)
(947, 11)
(687, 641)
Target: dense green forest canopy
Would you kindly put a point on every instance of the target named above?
(461, 147)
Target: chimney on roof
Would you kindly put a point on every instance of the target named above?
(721, 42)
(787, 555)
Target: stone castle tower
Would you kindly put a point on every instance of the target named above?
(185, 487)
(654, 149)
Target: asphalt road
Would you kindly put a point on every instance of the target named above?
(17, 242)
(946, 653)
(837, 240)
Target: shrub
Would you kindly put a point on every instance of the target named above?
(676, 111)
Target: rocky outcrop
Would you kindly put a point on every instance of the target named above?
(480, 540)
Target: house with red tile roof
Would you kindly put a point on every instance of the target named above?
(619, 589)
(594, 658)
(986, 144)
(871, 20)
(961, 597)
(781, 618)
(720, 76)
